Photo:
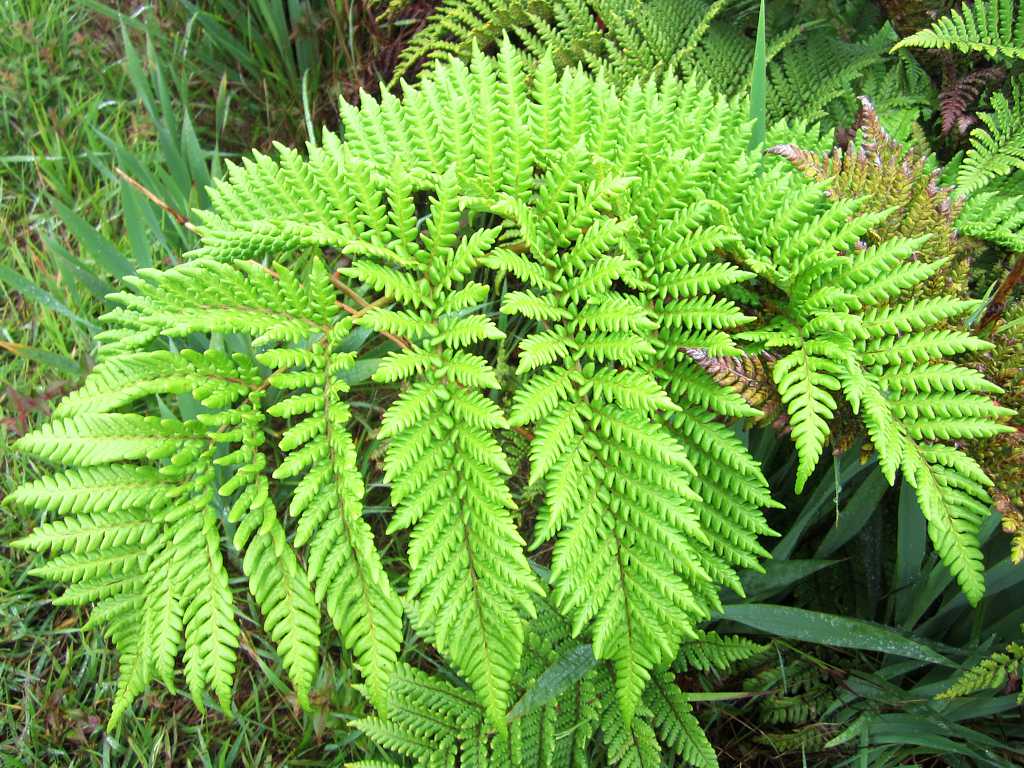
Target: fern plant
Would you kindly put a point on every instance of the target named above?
(846, 330)
(876, 323)
(997, 146)
(995, 671)
(602, 265)
(547, 257)
(992, 27)
(872, 316)
(986, 174)
(891, 178)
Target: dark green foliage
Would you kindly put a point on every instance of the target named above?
(809, 68)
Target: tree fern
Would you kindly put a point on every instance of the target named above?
(591, 376)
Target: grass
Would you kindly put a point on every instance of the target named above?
(84, 90)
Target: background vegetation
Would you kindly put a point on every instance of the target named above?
(115, 118)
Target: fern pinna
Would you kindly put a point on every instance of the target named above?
(543, 254)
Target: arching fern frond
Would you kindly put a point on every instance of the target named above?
(992, 27)
(997, 146)
(168, 474)
(851, 332)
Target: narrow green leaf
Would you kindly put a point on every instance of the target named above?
(75, 272)
(911, 546)
(855, 514)
(44, 298)
(554, 680)
(142, 249)
(778, 576)
(759, 83)
(818, 502)
(826, 629)
(44, 357)
(104, 252)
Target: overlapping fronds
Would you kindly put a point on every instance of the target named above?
(997, 145)
(541, 255)
(808, 68)
(857, 330)
(146, 506)
(565, 705)
(888, 177)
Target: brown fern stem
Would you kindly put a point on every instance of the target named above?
(1001, 298)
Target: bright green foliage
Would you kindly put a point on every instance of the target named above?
(996, 213)
(992, 672)
(848, 330)
(890, 178)
(998, 147)
(143, 522)
(445, 467)
(607, 262)
(992, 27)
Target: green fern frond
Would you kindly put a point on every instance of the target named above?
(991, 672)
(446, 469)
(675, 724)
(124, 462)
(712, 651)
(992, 27)
(997, 146)
(872, 319)
(809, 69)
(558, 715)
(995, 214)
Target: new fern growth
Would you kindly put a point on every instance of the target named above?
(542, 254)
